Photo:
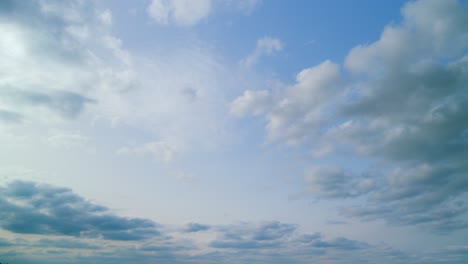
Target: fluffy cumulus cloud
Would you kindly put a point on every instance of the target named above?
(299, 112)
(403, 111)
(251, 102)
(411, 113)
(431, 29)
(302, 110)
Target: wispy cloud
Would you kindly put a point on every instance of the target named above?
(266, 46)
(181, 12)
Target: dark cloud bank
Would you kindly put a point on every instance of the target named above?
(48, 224)
(31, 208)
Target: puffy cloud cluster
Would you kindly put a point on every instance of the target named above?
(430, 29)
(301, 110)
(403, 110)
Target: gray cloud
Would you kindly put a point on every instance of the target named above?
(5, 243)
(31, 208)
(66, 104)
(286, 247)
(10, 117)
(412, 114)
(266, 235)
(195, 227)
(273, 230)
(415, 115)
(69, 228)
(433, 196)
(334, 182)
(340, 243)
(65, 243)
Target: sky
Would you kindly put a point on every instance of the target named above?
(233, 131)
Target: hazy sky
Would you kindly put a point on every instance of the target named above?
(233, 131)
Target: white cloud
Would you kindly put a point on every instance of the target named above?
(300, 110)
(251, 102)
(266, 46)
(106, 17)
(180, 12)
(431, 28)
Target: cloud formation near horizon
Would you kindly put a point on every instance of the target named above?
(31, 208)
(67, 224)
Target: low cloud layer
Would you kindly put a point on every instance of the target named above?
(66, 225)
(30, 208)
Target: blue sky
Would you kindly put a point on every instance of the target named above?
(223, 131)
